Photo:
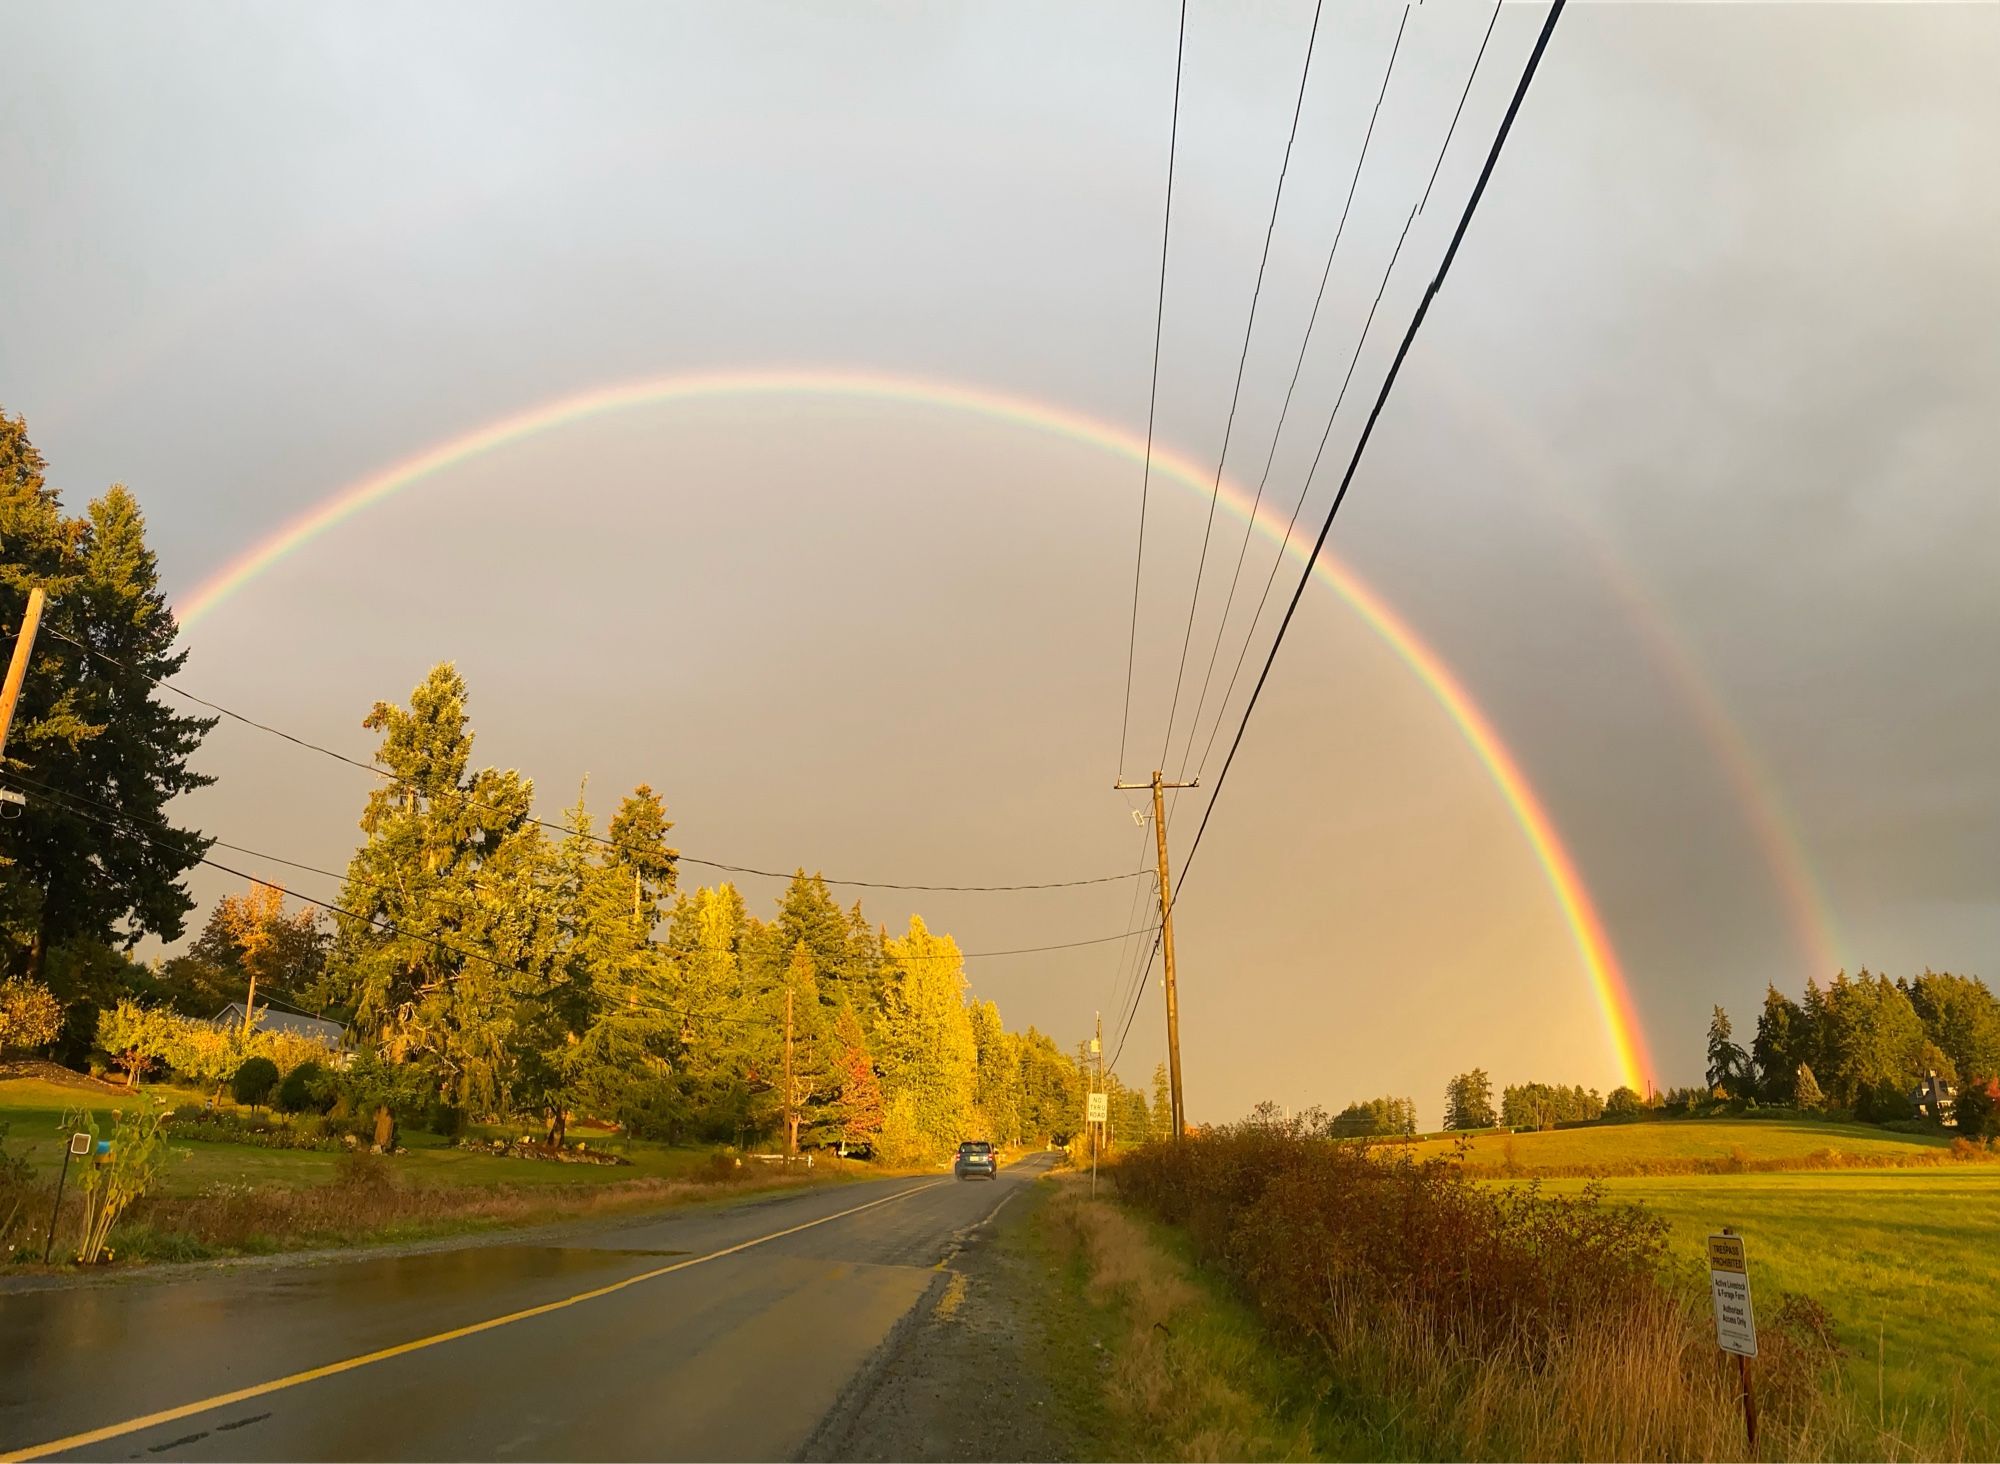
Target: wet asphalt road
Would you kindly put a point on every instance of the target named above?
(733, 1356)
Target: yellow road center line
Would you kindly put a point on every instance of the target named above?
(332, 1369)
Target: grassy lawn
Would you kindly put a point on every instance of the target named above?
(1908, 1262)
(32, 1109)
(1677, 1140)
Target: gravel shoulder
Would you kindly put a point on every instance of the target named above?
(962, 1376)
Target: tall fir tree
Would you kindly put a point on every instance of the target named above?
(453, 919)
(997, 1090)
(925, 1043)
(91, 731)
(1728, 1064)
(1779, 1047)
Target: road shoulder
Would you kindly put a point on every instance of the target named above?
(962, 1377)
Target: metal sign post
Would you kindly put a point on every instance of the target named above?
(1735, 1320)
(80, 1144)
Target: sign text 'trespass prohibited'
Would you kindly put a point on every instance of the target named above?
(1729, 1286)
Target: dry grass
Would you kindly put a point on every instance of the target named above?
(366, 1203)
(1448, 1319)
(1182, 1381)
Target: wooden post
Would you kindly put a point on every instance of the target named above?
(1749, 1389)
(1178, 1101)
(17, 668)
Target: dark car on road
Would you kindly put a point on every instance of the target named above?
(976, 1160)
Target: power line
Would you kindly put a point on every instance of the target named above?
(1250, 631)
(1490, 22)
(1153, 392)
(165, 684)
(1237, 391)
(1381, 400)
(1126, 955)
(1284, 412)
(1298, 506)
(126, 823)
(1138, 995)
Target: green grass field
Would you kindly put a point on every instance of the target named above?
(32, 1109)
(1678, 1140)
(1907, 1261)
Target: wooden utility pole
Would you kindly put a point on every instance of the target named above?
(1097, 1086)
(791, 1124)
(1159, 786)
(17, 669)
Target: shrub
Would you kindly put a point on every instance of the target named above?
(1452, 1318)
(254, 1080)
(30, 1016)
(445, 1119)
(357, 1169)
(306, 1087)
(1978, 1108)
(1884, 1103)
(1321, 1233)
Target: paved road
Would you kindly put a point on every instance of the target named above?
(710, 1334)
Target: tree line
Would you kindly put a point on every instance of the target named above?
(1866, 1044)
(482, 958)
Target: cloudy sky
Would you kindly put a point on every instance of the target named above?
(1688, 484)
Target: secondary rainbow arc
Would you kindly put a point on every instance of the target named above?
(1613, 996)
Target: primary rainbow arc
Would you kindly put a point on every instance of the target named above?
(1593, 945)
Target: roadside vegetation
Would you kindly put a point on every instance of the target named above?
(495, 992)
(1441, 1315)
(1155, 1359)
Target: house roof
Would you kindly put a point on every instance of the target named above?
(270, 1019)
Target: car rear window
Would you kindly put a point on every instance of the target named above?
(975, 1148)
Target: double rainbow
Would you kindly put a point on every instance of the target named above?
(1600, 963)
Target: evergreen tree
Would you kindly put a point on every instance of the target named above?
(1805, 1090)
(1811, 1045)
(929, 1060)
(1779, 1047)
(1163, 1100)
(1728, 1064)
(862, 975)
(1052, 1089)
(997, 1090)
(593, 1026)
(1874, 1041)
(808, 915)
(723, 1058)
(1468, 1101)
(91, 731)
(1962, 1016)
(640, 855)
(451, 910)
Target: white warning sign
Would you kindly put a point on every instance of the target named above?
(1729, 1285)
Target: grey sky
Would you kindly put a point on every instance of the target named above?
(1721, 343)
